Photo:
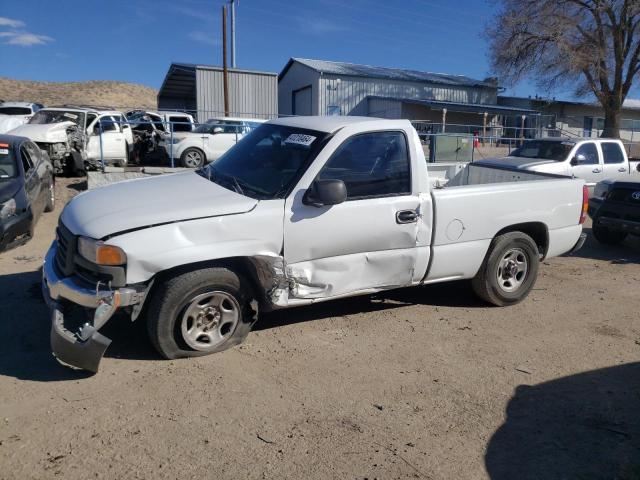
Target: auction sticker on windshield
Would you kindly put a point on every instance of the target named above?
(300, 139)
(69, 115)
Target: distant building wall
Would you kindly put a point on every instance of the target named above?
(297, 78)
(251, 94)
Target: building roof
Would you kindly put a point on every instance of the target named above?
(356, 70)
(463, 107)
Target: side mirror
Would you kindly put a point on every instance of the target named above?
(217, 130)
(578, 160)
(325, 192)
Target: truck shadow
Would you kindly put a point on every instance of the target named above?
(449, 294)
(627, 252)
(581, 426)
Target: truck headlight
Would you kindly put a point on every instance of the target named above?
(100, 253)
(7, 209)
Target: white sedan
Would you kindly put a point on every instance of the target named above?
(208, 141)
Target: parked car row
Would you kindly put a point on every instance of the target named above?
(78, 138)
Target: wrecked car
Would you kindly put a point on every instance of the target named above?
(78, 138)
(14, 114)
(152, 129)
(301, 210)
(26, 189)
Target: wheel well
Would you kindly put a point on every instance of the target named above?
(241, 265)
(536, 230)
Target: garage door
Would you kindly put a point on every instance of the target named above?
(302, 101)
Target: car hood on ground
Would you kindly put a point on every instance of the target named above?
(515, 162)
(45, 133)
(141, 203)
(9, 122)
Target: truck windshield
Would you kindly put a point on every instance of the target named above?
(266, 162)
(8, 166)
(57, 116)
(545, 150)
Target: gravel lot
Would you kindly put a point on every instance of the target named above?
(418, 383)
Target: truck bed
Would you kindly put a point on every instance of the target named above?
(461, 174)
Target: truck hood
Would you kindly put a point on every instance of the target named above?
(45, 133)
(9, 122)
(145, 202)
(515, 162)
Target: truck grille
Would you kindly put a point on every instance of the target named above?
(66, 242)
(68, 262)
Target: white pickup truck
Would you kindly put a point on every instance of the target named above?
(593, 160)
(301, 210)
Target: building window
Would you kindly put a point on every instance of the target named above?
(599, 123)
(334, 110)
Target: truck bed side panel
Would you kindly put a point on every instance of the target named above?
(468, 217)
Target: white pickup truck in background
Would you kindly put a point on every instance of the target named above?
(301, 210)
(14, 114)
(593, 160)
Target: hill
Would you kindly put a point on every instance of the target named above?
(121, 95)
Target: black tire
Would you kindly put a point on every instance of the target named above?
(486, 284)
(51, 196)
(174, 296)
(188, 158)
(606, 236)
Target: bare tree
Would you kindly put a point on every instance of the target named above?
(592, 45)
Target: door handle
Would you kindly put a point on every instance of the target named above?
(622, 169)
(596, 170)
(406, 216)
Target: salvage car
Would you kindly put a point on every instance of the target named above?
(78, 138)
(615, 210)
(593, 160)
(26, 189)
(301, 210)
(14, 114)
(152, 129)
(208, 141)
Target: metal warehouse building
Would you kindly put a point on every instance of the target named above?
(318, 87)
(199, 89)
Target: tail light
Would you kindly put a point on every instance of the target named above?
(585, 204)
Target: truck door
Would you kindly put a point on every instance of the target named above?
(587, 164)
(113, 144)
(615, 164)
(370, 240)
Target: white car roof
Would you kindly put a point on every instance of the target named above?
(329, 123)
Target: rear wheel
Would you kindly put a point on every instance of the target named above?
(509, 271)
(200, 312)
(606, 236)
(192, 158)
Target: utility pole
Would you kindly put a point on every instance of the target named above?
(225, 79)
(233, 33)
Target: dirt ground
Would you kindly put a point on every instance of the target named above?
(418, 383)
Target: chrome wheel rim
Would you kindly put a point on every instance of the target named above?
(209, 319)
(193, 159)
(512, 270)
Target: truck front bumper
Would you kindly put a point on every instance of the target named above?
(85, 347)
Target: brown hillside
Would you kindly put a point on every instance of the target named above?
(120, 95)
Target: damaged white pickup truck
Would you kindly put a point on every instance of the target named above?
(301, 210)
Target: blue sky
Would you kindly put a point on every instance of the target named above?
(135, 40)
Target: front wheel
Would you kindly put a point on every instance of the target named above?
(509, 271)
(192, 158)
(199, 312)
(606, 236)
